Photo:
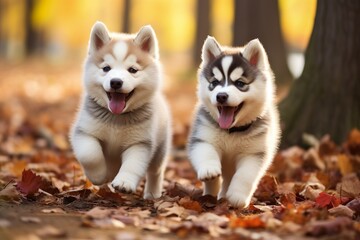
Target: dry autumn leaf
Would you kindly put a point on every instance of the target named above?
(29, 183)
(326, 200)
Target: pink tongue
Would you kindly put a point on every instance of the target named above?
(117, 102)
(226, 117)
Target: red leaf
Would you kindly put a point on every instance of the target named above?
(30, 183)
(327, 200)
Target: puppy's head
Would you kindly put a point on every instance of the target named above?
(235, 84)
(122, 71)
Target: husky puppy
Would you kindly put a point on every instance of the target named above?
(235, 132)
(122, 130)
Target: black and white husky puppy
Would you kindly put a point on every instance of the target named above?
(122, 131)
(236, 131)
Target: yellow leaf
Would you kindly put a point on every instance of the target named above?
(344, 164)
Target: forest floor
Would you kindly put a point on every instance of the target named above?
(309, 193)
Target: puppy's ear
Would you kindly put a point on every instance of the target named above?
(147, 41)
(99, 37)
(255, 53)
(210, 50)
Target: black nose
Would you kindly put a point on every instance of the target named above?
(222, 97)
(116, 83)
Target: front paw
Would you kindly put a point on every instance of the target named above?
(238, 200)
(208, 173)
(123, 185)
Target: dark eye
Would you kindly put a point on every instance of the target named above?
(106, 69)
(132, 70)
(241, 85)
(214, 83)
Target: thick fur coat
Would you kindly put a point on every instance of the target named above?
(236, 131)
(122, 130)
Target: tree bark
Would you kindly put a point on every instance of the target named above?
(326, 97)
(30, 33)
(261, 19)
(126, 24)
(203, 9)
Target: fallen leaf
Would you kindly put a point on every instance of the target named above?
(353, 142)
(175, 211)
(50, 232)
(267, 189)
(30, 183)
(98, 213)
(28, 219)
(105, 223)
(326, 200)
(10, 193)
(341, 211)
(187, 203)
(312, 188)
(247, 222)
(328, 227)
(53, 210)
(344, 164)
(354, 205)
(4, 223)
(349, 186)
(177, 190)
(327, 147)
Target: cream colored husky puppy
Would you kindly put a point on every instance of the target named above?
(122, 131)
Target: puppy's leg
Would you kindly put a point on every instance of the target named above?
(89, 153)
(135, 161)
(155, 173)
(249, 170)
(211, 187)
(206, 162)
(227, 173)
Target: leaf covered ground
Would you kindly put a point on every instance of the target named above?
(307, 194)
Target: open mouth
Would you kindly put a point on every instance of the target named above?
(117, 101)
(227, 115)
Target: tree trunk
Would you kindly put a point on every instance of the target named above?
(30, 33)
(260, 19)
(326, 97)
(126, 27)
(203, 27)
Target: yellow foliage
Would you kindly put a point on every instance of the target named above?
(222, 16)
(297, 20)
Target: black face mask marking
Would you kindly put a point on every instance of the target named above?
(237, 61)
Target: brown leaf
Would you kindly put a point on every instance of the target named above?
(28, 219)
(328, 227)
(105, 223)
(10, 193)
(349, 186)
(327, 147)
(106, 193)
(53, 210)
(312, 188)
(341, 211)
(267, 189)
(98, 213)
(187, 203)
(30, 183)
(50, 232)
(4, 223)
(175, 211)
(177, 190)
(353, 142)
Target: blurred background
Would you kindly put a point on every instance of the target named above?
(43, 44)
